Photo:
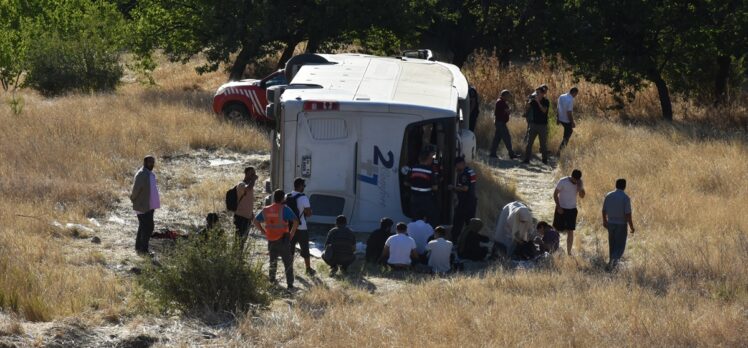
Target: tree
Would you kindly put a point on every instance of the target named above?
(240, 31)
(14, 43)
(508, 26)
(623, 44)
(78, 40)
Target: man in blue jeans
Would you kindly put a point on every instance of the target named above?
(616, 214)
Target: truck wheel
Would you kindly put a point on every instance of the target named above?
(236, 113)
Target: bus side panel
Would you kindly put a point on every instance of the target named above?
(379, 147)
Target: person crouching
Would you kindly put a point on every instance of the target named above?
(340, 246)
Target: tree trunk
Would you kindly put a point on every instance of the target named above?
(662, 90)
(720, 81)
(237, 69)
(312, 45)
(505, 55)
(287, 52)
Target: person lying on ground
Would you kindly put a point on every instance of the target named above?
(400, 249)
(439, 252)
(375, 243)
(340, 246)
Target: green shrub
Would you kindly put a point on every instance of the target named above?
(206, 275)
(57, 67)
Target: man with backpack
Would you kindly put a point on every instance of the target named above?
(537, 123)
(299, 204)
(276, 218)
(240, 199)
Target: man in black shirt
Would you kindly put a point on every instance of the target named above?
(474, 107)
(340, 246)
(375, 243)
(537, 123)
(467, 202)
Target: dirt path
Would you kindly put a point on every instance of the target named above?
(185, 181)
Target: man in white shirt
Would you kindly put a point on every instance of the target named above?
(565, 196)
(299, 204)
(440, 252)
(400, 249)
(565, 115)
(420, 231)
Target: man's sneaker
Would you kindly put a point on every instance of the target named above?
(310, 271)
(291, 288)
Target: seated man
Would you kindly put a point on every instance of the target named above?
(469, 246)
(549, 238)
(340, 246)
(440, 252)
(375, 243)
(400, 249)
(421, 232)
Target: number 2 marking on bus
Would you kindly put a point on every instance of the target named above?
(387, 163)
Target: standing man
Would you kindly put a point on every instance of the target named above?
(423, 184)
(276, 218)
(565, 115)
(537, 123)
(299, 204)
(565, 196)
(467, 202)
(501, 114)
(145, 200)
(616, 214)
(245, 198)
(474, 107)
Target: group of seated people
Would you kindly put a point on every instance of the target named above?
(417, 243)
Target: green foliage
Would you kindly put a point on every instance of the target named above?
(13, 44)
(240, 32)
(61, 46)
(59, 66)
(206, 275)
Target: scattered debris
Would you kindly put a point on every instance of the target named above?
(221, 162)
(94, 222)
(96, 240)
(116, 220)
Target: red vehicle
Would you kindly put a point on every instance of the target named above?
(245, 99)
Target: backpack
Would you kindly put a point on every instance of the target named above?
(528, 111)
(292, 202)
(232, 202)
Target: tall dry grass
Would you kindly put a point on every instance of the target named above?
(68, 158)
(684, 282)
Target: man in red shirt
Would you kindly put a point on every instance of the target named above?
(501, 114)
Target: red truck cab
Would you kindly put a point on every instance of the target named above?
(245, 99)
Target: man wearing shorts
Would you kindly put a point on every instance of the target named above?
(299, 204)
(565, 196)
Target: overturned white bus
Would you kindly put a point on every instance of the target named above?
(348, 124)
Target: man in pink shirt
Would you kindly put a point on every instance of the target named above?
(145, 200)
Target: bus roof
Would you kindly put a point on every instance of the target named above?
(380, 80)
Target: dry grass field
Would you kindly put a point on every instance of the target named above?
(684, 281)
(65, 158)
